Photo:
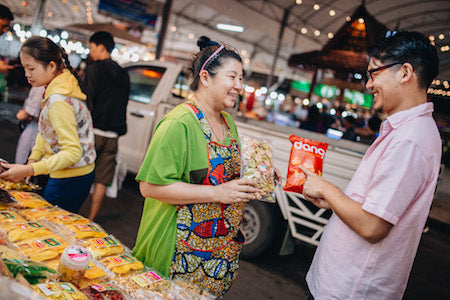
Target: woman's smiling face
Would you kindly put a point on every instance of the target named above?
(227, 83)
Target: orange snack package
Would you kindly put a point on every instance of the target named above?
(307, 153)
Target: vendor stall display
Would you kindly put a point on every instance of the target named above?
(62, 255)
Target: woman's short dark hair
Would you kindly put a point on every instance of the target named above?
(409, 47)
(207, 48)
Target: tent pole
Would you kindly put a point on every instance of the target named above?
(163, 29)
(38, 16)
(277, 51)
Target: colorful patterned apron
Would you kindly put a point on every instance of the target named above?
(208, 236)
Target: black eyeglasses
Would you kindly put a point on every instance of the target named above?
(369, 72)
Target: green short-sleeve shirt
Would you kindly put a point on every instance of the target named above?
(177, 152)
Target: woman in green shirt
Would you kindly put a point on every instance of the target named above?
(190, 178)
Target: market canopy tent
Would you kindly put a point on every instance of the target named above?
(344, 52)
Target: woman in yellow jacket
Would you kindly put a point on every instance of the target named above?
(64, 147)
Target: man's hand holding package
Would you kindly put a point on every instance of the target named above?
(313, 188)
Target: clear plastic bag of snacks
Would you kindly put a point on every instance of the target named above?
(182, 289)
(257, 164)
(122, 264)
(104, 291)
(29, 199)
(32, 271)
(9, 216)
(44, 248)
(95, 274)
(59, 291)
(42, 212)
(146, 285)
(103, 247)
(308, 153)
(19, 231)
(83, 231)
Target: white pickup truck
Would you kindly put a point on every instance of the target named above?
(156, 87)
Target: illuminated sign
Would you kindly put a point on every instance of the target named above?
(358, 98)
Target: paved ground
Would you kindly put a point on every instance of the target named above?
(274, 277)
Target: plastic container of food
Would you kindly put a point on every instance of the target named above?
(73, 264)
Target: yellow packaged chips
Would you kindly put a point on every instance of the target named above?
(29, 199)
(102, 247)
(9, 216)
(122, 264)
(43, 248)
(23, 231)
(59, 291)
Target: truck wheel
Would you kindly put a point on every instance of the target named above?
(261, 229)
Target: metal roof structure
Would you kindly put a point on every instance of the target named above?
(308, 24)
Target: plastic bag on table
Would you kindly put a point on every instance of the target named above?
(257, 164)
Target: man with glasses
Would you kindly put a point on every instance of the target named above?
(368, 247)
(5, 20)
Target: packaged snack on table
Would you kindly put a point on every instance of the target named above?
(122, 264)
(42, 212)
(94, 274)
(308, 153)
(257, 164)
(67, 218)
(29, 199)
(182, 289)
(21, 185)
(85, 231)
(32, 271)
(9, 216)
(73, 264)
(10, 251)
(102, 247)
(59, 291)
(146, 285)
(16, 232)
(103, 291)
(44, 248)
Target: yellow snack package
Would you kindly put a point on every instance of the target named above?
(86, 231)
(122, 264)
(43, 248)
(102, 247)
(29, 199)
(93, 272)
(42, 212)
(17, 232)
(67, 218)
(22, 185)
(93, 275)
(59, 291)
(10, 252)
(9, 216)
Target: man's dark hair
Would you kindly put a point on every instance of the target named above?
(409, 47)
(103, 38)
(5, 13)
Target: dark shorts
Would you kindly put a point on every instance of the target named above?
(105, 164)
(68, 193)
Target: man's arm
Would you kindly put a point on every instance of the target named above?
(326, 195)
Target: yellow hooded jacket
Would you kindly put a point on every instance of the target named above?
(65, 144)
